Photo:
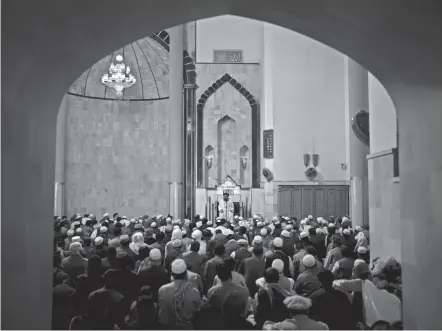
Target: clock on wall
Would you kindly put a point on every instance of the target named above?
(361, 126)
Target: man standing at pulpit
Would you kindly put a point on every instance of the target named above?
(226, 208)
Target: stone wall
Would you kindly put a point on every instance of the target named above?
(384, 200)
(117, 156)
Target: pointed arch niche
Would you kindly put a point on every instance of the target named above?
(226, 125)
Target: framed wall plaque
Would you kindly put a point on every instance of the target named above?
(268, 144)
(227, 56)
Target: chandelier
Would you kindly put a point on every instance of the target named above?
(118, 77)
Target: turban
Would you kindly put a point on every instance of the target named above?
(297, 302)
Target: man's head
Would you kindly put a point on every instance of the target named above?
(297, 304)
(179, 269)
(224, 272)
(219, 249)
(195, 246)
(271, 275)
(159, 237)
(226, 196)
(326, 279)
(346, 251)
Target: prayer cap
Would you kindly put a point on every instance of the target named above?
(124, 238)
(79, 230)
(358, 228)
(155, 254)
(133, 220)
(310, 217)
(285, 234)
(303, 235)
(277, 242)
(105, 215)
(308, 261)
(242, 242)
(76, 239)
(177, 243)
(331, 225)
(153, 224)
(197, 234)
(278, 265)
(259, 224)
(263, 232)
(70, 233)
(303, 222)
(257, 239)
(179, 266)
(75, 247)
(297, 302)
(98, 241)
(362, 250)
(199, 224)
(138, 226)
(289, 227)
(346, 231)
(103, 229)
(318, 231)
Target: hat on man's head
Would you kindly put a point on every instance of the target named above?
(358, 228)
(242, 242)
(308, 261)
(103, 229)
(318, 231)
(297, 302)
(362, 250)
(75, 248)
(76, 239)
(278, 265)
(277, 242)
(310, 217)
(155, 254)
(98, 241)
(105, 215)
(199, 224)
(177, 243)
(179, 266)
(263, 232)
(124, 238)
(331, 225)
(70, 233)
(257, 240)
(289, 227)
(138, 226)
(285, 234)
(303, 235)
(79, 230)
(153, 224)
(346, 231)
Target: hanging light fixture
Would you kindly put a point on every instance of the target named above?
(118, 76)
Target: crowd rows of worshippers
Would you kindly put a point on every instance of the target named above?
(165, 273)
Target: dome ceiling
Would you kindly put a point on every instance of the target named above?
(149, 64)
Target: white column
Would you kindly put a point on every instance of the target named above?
(267, 115)
(176, 122)
(60, 157)
(356, 90)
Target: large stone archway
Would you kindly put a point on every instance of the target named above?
(46, 44)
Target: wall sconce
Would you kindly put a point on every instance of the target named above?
(315, 159)
(189, 126)
(209, 159)
(306, 160)
(244, 160)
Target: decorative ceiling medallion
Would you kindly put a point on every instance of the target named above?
(118, 77)
(361, 126)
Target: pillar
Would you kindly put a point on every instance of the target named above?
(420, 158)
(176, 122)
(60, 153)
(356, 93)
(190, 149)
(270, 206)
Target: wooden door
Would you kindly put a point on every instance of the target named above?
(324, 200)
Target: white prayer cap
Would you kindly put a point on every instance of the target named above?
(358, 261)
(242, 242)
(98, 241)
(285, 234)
(259, 224)
(153, 224)
(361, 249)
(263, 232)
(138, 226)
(79, 230)
(97, 226)
(133, 220)
(179, 266)
(278, 265)
(160, 216)
(177, 243)
(105, 215)
(297, 302)
(346, 231)
(308, 261)
(345, 219)
(289, 227)
(241, 218)
(176, 227)
(168, 219)
(199, 224)
(236, 217)
(255, 216)
(275, 218)
(155, 254)
(197, 234)
(103, 229)
(287, 218)
(318, 231)
(310, 217)
(70, 233)
(124, 238)
(75, 247)
(331, 225)
(209, 223)
(76, 239)
(358, 228)
(303, 235)
(303, 222)
(183, 232)
(277, 242)
(257, 239)
(319, 219)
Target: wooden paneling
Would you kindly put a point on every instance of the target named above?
(301, 201)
